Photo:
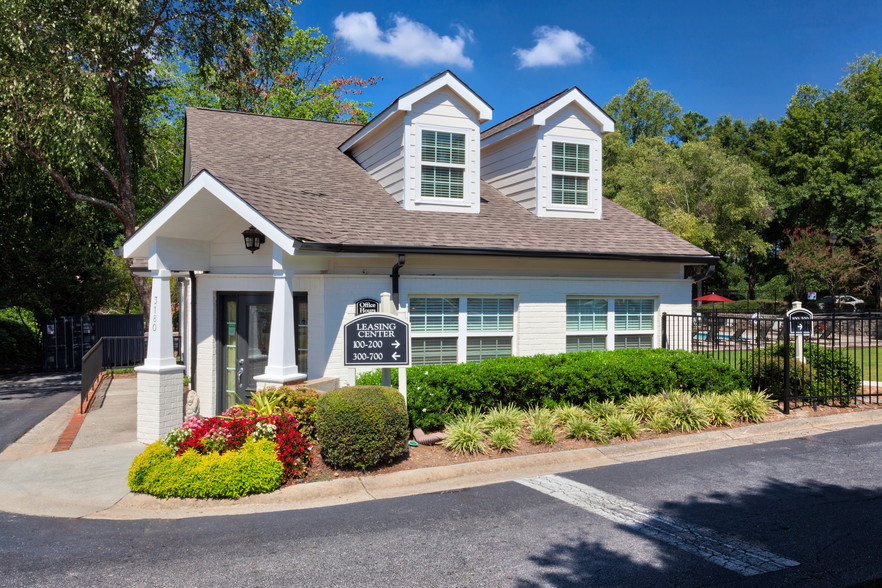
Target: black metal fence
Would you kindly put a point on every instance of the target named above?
(822, 359)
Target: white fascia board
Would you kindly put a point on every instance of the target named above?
(485, 112)
(607, 124)
(406, 103)
(370, 127)
(205, 181)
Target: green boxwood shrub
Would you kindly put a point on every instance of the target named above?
(250, 470)
(435, 392)
(361, 426)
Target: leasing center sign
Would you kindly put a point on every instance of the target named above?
(378, 340)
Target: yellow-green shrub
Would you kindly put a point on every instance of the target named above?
(253, 469)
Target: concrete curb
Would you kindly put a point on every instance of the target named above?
(467, 475)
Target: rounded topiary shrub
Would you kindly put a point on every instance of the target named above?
(361, 426)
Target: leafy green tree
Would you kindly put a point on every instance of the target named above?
(697, 191)
(692, 126)
(815, 264)
(644, 112)
(828, 154)
(81, 87)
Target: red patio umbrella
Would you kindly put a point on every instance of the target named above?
(713, 298)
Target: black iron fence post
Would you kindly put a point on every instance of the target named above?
(786, 364)
(664, 331)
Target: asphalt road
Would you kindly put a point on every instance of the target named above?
(27, 399)
(815, 501)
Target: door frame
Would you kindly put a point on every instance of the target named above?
(221, 298)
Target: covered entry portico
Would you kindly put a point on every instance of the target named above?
(203, 222)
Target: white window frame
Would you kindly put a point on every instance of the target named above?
(548, 177)
(468, 190)
(462, 333)
(611, 332)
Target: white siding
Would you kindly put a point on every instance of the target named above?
(510, 167)
(383, 156)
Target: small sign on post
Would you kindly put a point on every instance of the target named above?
(377, 340)
(366, 305)
(800, 321)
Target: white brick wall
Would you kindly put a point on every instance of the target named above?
(160, 403)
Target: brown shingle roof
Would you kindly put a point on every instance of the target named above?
(291, 172)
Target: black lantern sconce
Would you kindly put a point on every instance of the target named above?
(253, 239)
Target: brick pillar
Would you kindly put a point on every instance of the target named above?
(160, 379)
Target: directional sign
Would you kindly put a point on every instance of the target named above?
(366, 305)
(378, 340)
(800, 322)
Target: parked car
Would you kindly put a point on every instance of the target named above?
(844, 301)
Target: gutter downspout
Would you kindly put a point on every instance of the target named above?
(395, 276)
(387, 372)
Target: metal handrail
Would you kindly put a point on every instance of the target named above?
(107, 353)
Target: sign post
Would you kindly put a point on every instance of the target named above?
(800, 321)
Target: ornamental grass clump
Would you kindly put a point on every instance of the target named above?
(685, 412)
(642, 406)
(508, 417)
(503, 439)
(623, 425)
(585, 428)
(602, 410)
(466, 433)
(718, 410)
(542, 434)
(750, 406)
(660, 422)
(565, 413)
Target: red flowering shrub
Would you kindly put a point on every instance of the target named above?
(230, 432)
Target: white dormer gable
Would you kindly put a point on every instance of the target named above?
(548, 158)
(424, 149)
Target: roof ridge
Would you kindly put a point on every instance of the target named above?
(271, 116)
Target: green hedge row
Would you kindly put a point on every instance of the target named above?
(436, 391)
(18, 344)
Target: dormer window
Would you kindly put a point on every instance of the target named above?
(446, 155)
(570, 166)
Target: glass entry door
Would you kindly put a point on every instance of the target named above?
(243, 338)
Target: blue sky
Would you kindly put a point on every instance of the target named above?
(741, 58)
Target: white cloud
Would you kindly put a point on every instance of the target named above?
(411, 42)
(554, 46)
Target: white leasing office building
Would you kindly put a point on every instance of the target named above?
(497, 243)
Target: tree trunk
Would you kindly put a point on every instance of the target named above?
(751, 277)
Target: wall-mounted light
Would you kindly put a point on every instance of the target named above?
(253, 239)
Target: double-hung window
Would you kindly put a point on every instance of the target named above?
(570, 167)
(586, 323)
(452, 329)
(442, 155)
(634, 321)
(598, 323)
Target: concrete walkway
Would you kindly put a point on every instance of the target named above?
(89, 480)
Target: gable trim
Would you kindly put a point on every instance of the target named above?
(405, 103)
(204, 180)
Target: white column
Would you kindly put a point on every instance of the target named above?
(160, 379)
(281, 365)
